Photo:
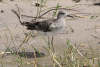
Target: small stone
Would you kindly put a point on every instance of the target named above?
(11, 0)
(76, 1)
(97, 4)
(37, 4)
(1, 11)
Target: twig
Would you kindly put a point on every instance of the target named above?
(19, 12)
(55, 9)
(35, 17)
(19, 15)
(51, 10)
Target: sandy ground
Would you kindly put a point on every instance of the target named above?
(84, 28)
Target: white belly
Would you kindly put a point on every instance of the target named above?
(53, 32)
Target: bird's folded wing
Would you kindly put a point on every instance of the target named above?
(39, 26)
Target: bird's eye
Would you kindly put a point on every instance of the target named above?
(62, 13)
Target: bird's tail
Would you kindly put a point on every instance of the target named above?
(30, 26)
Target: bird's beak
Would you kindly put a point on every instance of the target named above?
(70, 16)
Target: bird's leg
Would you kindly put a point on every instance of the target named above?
(49, 42)
(52, 44)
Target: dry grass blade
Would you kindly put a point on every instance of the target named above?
(96, 26)
(34, 63)
(83, 44)
(75, 48)
(27, 62)
(2, 64)
(54, 58)
(7, 38)
(11, 35)
(29, 37)
(78, 51)
(22, 43)
(94, 16)
(36, 51)
(26, 39)
(4, 52)
(82, 16)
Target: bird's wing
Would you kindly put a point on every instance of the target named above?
(40, 26)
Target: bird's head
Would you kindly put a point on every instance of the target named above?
(63, 14)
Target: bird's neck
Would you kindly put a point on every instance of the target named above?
(60, 18)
